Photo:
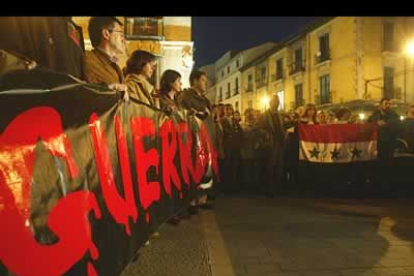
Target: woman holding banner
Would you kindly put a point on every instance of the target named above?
(309, 117)
(170, 85)
(140, 68)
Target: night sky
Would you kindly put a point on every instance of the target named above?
(213, 36)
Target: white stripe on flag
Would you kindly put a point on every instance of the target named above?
(337, 152)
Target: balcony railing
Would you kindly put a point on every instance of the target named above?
(261, 82)
(323, 100)
(228, 95)
(151, 28)
(249, 88)
(296, 67)
(276, 77)
(324, 56)
(236, 91)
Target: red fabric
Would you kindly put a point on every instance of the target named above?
(338, 133)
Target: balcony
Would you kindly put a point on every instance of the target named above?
(228, 95)
(144, 28)
(261, 82)
(276, 77)
(236, 91)
(296, 68)
(323, 99)
(322, 57)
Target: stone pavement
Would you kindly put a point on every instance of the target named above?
(178, 251)
(256, 236)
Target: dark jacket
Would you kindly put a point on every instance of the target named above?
(274, 126)
(190, 99)
(388, 117)
(100, 69)
(171, 107)
(228, 132)
(53, 42)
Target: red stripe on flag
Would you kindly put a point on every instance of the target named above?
(338, 133)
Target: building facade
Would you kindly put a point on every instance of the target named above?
(229, 83)
(334, 60)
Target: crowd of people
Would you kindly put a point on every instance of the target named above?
(258, 152)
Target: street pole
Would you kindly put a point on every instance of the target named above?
(405, 79)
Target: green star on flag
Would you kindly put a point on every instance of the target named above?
(356, 152)
(314, 152)
(335, 153)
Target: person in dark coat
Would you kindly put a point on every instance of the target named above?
(194, 100)
(231, 150)
(248, 151)
(388, 123)
(276, 135)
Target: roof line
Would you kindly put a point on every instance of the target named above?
(306, 29)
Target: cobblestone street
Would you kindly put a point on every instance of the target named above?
(286, 237)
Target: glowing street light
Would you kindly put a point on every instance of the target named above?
(361, 116)
(265, 102)
(409, 48)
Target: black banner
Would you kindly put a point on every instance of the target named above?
(85, 177)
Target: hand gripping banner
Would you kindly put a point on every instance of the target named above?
(85, 177)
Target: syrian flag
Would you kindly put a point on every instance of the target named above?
(337, 143)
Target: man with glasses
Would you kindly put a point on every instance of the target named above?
(107, 38)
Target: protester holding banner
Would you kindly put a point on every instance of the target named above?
(343, 116)
(170, 85)
(194, 100)
(10, 62)
(53, 42)
(309, 116)
(140, 68)
(321, 117)
(101, 66)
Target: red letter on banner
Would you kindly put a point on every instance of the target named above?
(121, 209)
(187, 167)
(208, 144)
(148, 191)
(169, 171)
(68, 220)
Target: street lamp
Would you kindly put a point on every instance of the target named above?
(409, 48)
(265, 102)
